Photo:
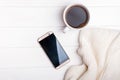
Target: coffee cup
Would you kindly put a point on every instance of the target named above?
(75, 16)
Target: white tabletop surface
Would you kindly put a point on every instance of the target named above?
(23, 21)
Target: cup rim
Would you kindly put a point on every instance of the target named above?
(65, 11)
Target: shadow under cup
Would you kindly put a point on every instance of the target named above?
(77, 16)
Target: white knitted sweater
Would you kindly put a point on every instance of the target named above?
(100, 52)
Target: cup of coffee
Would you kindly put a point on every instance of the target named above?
(75, 16)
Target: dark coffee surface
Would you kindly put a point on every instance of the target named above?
(77, 16)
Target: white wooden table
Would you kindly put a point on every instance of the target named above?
(23, 21)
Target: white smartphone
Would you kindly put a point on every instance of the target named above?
(53, 49)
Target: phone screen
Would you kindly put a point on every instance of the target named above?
(54, 50)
